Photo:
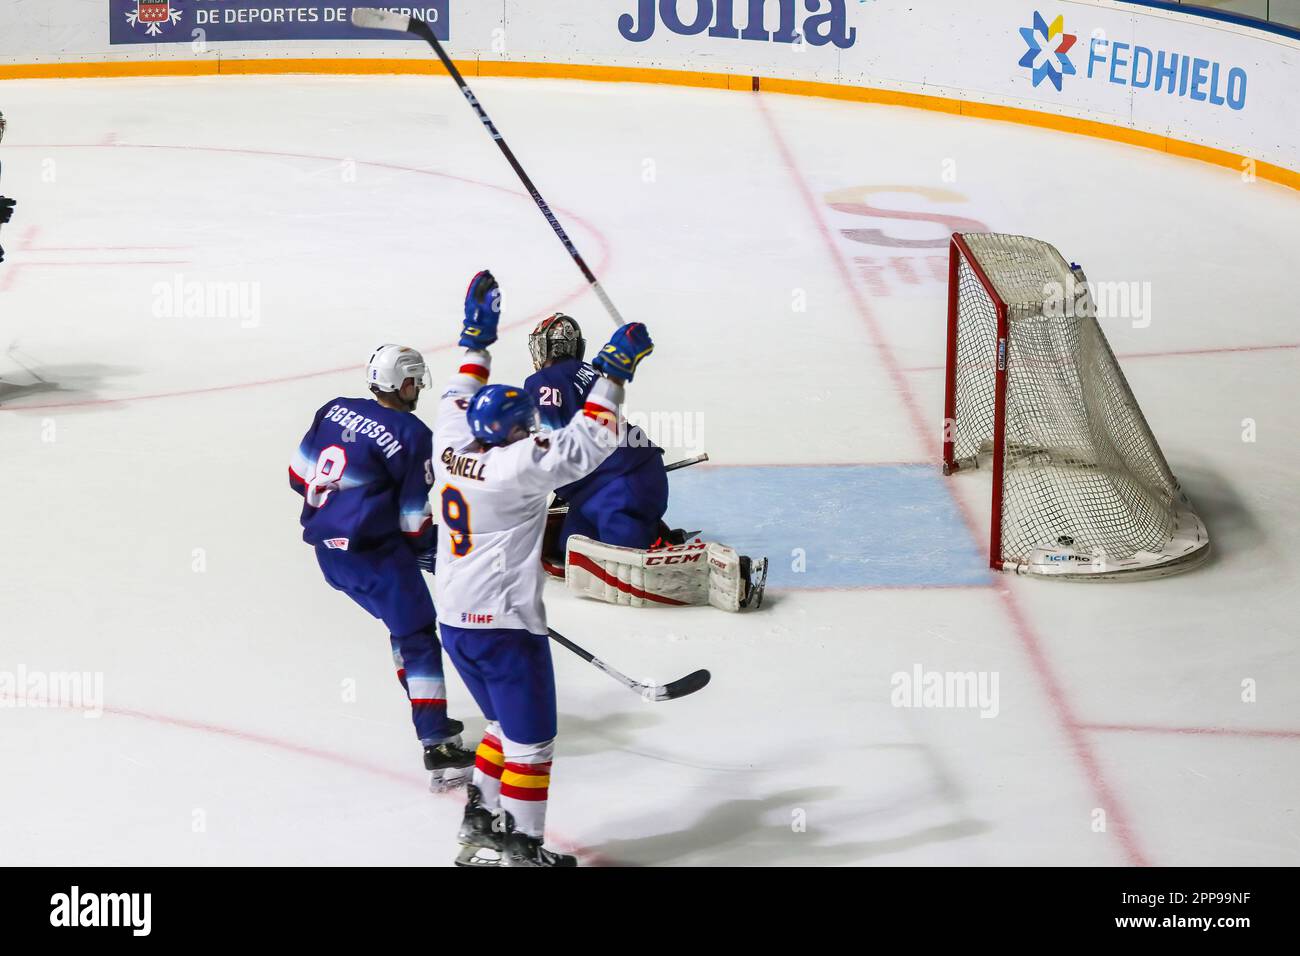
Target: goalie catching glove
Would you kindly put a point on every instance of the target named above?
(683, 575)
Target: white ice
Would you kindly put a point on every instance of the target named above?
(251, 714)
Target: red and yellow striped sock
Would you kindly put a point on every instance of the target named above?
(525, 784)
(489, 762)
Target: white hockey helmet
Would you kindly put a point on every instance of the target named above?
(392, 365)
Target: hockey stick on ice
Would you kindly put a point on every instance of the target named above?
(687, 462)
(371, 18)
(684, 463)
(678, 688)
(14, 354)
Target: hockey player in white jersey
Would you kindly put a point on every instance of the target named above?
(493, 476)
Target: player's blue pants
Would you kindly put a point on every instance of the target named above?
(625, 510)
(389, 584)
(510, 675)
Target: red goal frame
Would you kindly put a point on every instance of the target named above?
(958, 249)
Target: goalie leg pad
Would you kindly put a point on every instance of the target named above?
(689, 574)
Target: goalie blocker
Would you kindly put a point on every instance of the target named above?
(700, 572)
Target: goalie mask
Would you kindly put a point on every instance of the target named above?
(556, 338)
(391, 366)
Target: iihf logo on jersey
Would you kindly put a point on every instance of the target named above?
(154, 14)
(1046, 57)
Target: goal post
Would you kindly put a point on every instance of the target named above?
(1032, 390)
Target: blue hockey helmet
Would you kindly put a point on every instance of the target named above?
(496, 411)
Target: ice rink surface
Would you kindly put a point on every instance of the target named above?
(788, 255)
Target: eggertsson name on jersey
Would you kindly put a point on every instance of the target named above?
(355, 425)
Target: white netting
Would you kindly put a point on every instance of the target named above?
(1085, 488)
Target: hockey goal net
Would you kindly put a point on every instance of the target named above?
(1080, 486)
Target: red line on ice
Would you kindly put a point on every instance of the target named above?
(129, 262)
(103, 249)
(1051, 686)
(602, 266)
(27, 243)
(1196, 731)
(302, 750)
(850, 588)
(11, 275)
(705, 465)
(1170, 353)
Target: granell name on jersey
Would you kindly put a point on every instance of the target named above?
(463, 466)
(358, 426)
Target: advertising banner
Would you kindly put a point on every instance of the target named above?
(1189, 78)
(180, 21)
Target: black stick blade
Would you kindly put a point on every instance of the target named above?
(687, 685)
(372, 18)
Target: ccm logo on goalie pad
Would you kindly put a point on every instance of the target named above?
(657, 559)
(698, 547)
(675, 554)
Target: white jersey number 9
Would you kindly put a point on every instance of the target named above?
(455, 518)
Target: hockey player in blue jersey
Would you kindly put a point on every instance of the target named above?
(623, 501)
(364, 470)
(613, 544)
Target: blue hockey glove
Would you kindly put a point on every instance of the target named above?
(482, 312)
(626, 348)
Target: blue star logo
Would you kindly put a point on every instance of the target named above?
(1047, 57)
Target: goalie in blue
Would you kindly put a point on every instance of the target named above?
(623, 501)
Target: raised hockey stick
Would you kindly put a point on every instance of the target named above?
(678, 688)
(371, 18)
(684, 463)
(2, 136)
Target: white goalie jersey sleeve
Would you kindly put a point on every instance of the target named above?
(688, 574)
